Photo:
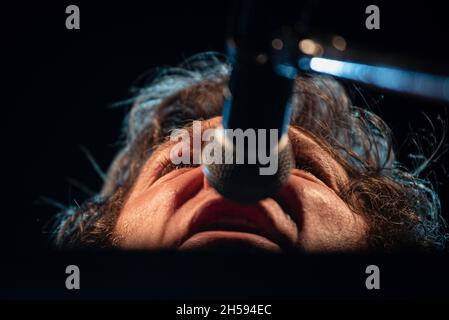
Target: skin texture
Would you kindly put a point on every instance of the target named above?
(178, 210)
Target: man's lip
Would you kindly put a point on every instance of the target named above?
(220, 214)
(230, 241)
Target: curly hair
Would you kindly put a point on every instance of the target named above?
(401, 208)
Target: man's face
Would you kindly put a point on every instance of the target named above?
(178, 210)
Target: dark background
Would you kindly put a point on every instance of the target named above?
(59, 85)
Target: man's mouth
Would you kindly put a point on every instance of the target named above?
(230, 241)
(224, 225)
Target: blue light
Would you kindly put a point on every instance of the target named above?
(427, 85)
(286, 71)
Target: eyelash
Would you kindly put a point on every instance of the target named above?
(171, 167)
(310, 169)
(304, 167)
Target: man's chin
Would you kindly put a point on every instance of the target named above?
(229, 241)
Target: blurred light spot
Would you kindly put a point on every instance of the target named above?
(304, 63)
(277, 44)
(319, 50)
(262, 58)
(286, 71)
(310, 47)
(339, 43)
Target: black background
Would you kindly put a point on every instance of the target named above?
(59, 85)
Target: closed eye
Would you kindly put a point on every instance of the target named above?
(170, 166)
(310, 167)
(307, 167)
(304, 167)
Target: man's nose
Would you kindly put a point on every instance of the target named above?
(206, 184)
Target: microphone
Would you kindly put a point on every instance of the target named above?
(256, 153)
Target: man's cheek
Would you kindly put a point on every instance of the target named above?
(142, 222)
(329, 221)
(183, 185)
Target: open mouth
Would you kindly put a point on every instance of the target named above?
(228, 226)
(229, 241)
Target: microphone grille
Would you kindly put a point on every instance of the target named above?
(243, 182)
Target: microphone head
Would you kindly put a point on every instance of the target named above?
(260, 92)
(244, 183)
